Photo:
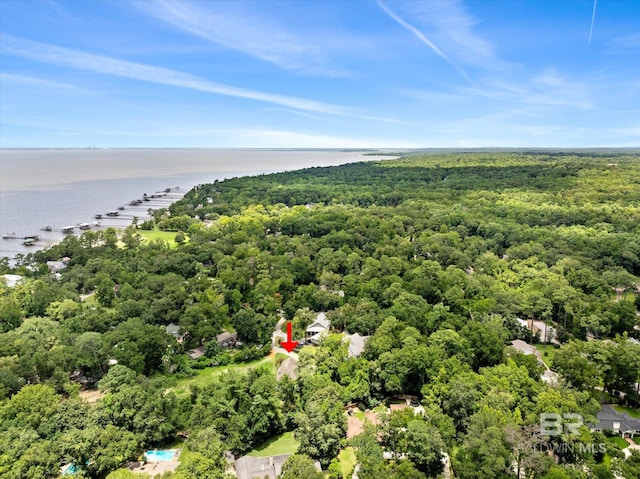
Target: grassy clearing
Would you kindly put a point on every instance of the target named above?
(618, 441)
(206, 376)
(347, 458)
(547, 351)
(627, 296)
(626, 409)
(155, 234)
(91, 300)
(282, 444)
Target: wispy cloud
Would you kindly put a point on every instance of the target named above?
(293, 112)
(593, 19)
(24, 79)
(253, 31)
(271, 138)
(553, 88)
(423, 38)
(449, 25)
(547, 88)
(10, 44)
(624, 45)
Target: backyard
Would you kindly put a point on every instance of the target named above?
(283, 444)
(206, 376)
(548, 352)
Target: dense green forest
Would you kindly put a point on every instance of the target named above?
(434, 257)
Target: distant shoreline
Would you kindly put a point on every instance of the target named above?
(61, 187)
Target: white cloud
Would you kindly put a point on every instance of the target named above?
(22, 79)
(13, 45)
(270, 138)
(423, 38)
(451, 26)
(624, 45)
(255, 31)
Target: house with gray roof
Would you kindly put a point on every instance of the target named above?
(620, 423)
(227, 340)
(196, 353)
(249, 467)
(356, 344)
(173, 329)
(288, 368)
(318, 329)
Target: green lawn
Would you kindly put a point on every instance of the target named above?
(91, 300)
(156, 234)
(282, 444)
(177, 443)
(360, 415)
(207, 376)
(627, 296)
(618, 441)
(629, 410)
(547, 351)
(347, 458)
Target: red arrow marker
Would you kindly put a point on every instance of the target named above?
(288, 344)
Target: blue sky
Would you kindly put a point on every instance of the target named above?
(319, 73)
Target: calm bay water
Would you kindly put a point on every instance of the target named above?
(66, 187)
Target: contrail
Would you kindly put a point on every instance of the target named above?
(424, 39)
(593, 19)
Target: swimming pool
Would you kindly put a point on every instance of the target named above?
(69, 470)
(158, 455)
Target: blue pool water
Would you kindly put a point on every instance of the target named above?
(160, 455)
(70, 470)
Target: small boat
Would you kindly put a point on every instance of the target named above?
(46, 228)
(113, 213)
(9, 236)
(29, 242)
(96, 224)
(84, 226)
(68, 229)
(121, 208)
(145, 198)
(98, 216)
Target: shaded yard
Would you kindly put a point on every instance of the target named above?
(547, 351)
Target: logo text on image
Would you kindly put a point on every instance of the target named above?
(554, 424)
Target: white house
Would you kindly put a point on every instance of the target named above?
(318, 329)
